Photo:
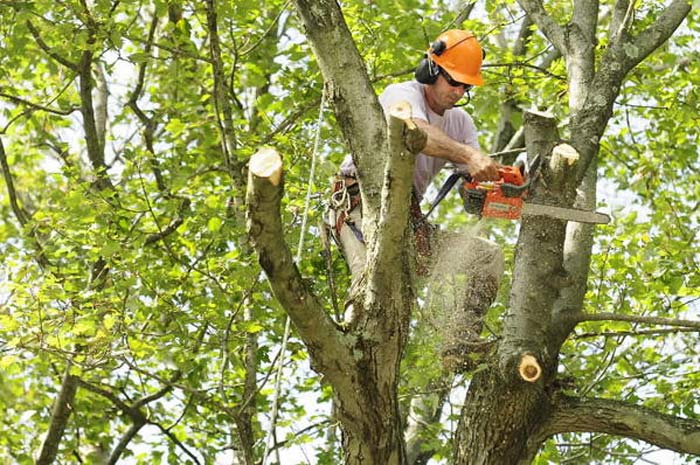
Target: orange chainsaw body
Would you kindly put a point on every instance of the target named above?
(497, 199)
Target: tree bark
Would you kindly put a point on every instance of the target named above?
(497, 420)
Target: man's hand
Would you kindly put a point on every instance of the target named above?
(482, 167)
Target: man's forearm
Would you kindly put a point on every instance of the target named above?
(440, 145)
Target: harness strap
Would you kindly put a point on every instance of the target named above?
(344, 200)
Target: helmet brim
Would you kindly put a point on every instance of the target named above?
(475, 80)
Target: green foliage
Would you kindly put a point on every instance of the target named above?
(149, 290)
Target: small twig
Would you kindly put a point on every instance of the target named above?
(525, 65)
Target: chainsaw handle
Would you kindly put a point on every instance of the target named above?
(514, 190)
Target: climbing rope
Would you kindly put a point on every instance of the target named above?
(287, 325)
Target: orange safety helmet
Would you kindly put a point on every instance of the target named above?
(459, 53)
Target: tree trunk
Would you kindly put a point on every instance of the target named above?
(497, 420)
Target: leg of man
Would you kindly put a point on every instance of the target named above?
(346, 228)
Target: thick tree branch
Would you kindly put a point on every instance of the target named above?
(59, 418)
(553, 31)
(538, 273)
(623, 419)
(316, 328)
(580, 59)
(586, 16)
(356, 106)
(588, 124)
(637, 49)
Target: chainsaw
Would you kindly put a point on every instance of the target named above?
(507, 197)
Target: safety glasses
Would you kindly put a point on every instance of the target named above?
(453, 83)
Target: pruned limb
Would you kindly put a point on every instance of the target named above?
(563, 155)
(267, 163)
(619, 418)
(328, 350)
(529, 368)
(387, 245)
(405, 140)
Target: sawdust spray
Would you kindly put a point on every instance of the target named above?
(462, 283)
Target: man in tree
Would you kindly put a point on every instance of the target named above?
(451, 67)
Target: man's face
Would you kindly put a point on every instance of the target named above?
(443, 94)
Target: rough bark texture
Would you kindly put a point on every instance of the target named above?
(551, 267)
(498, 418)
(502, 409)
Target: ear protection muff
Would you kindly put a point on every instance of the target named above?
(427, 71)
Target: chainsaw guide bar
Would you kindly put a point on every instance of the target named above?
(567, 214)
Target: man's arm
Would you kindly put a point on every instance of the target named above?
(440, 145)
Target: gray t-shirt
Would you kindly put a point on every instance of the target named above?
(455, 122)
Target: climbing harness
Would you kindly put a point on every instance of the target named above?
(344, 199)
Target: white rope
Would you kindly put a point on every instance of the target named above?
(287, 325)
